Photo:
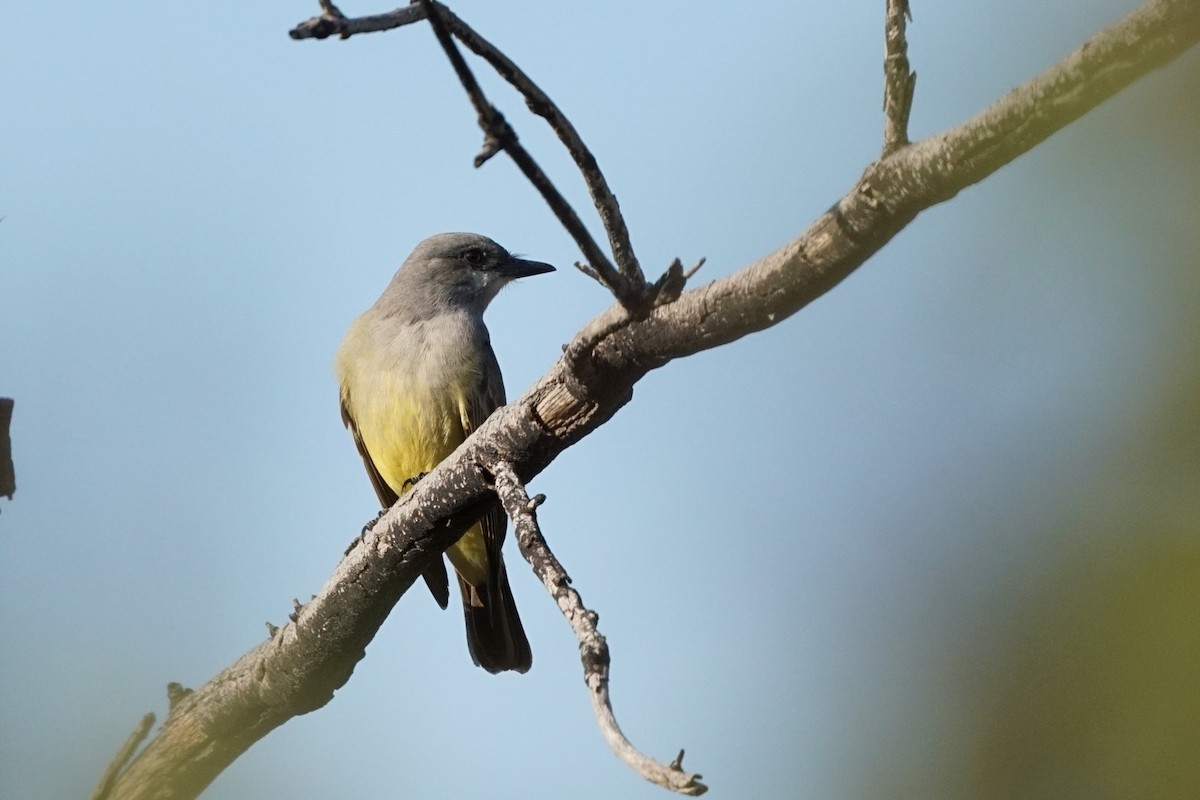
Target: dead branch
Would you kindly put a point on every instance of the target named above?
(899, 81)
(541, 104)
(105, 785)
(593, 648)
(333, 22)
(626, 281)
(499, 135)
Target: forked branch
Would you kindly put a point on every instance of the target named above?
(540, 103)
(499, 135)
(626, 281)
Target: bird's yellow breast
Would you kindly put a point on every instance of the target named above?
(407, 389)
(409, 397)
(407, 428)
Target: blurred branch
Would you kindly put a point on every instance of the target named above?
(104, 787)
(297, 669)
(8, 473)
(593, 649)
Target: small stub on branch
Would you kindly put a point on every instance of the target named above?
(670, 284)
(491, 146)
(175, 692)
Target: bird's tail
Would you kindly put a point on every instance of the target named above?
(495, 636)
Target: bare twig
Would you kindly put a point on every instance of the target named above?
(899, 82)
(626, 281)
(105, 786)
(593, 649)
(500, 135)
(540, 103)
(333, 23)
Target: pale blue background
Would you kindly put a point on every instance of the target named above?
(797, 544)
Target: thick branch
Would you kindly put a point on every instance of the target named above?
(893, 190)
(298, 668)
(301, 664)
(593, 649)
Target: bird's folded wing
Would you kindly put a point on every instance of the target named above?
(435, 574)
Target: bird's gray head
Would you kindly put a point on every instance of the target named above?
(454, 271)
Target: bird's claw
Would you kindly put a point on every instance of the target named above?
(363, 534)
(411, 482)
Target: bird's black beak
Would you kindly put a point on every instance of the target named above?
(520, 268)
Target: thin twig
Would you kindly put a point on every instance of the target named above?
(899, 82)
(113, 770)
(593, 649)
(540, 103)
(631, 289)
(333, 22)
(500, 135)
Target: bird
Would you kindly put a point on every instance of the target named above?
(416, 375)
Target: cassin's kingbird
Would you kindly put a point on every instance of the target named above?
(417, 375)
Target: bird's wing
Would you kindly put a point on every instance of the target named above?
(495, 636)
(387, 497)
(435, 574)
(478, 408)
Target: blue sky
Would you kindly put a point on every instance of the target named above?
(791, 541)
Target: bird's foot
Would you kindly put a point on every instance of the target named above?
(365, 530)
(411, 482)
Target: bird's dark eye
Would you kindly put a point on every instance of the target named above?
(474, 256)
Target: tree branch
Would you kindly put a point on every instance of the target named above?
(899, 81)
(541, 104)
(333, 23)
(299, 666)
(499, 135)
(593, 649)
(108, 780)
(626, 282)
(8, 473)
